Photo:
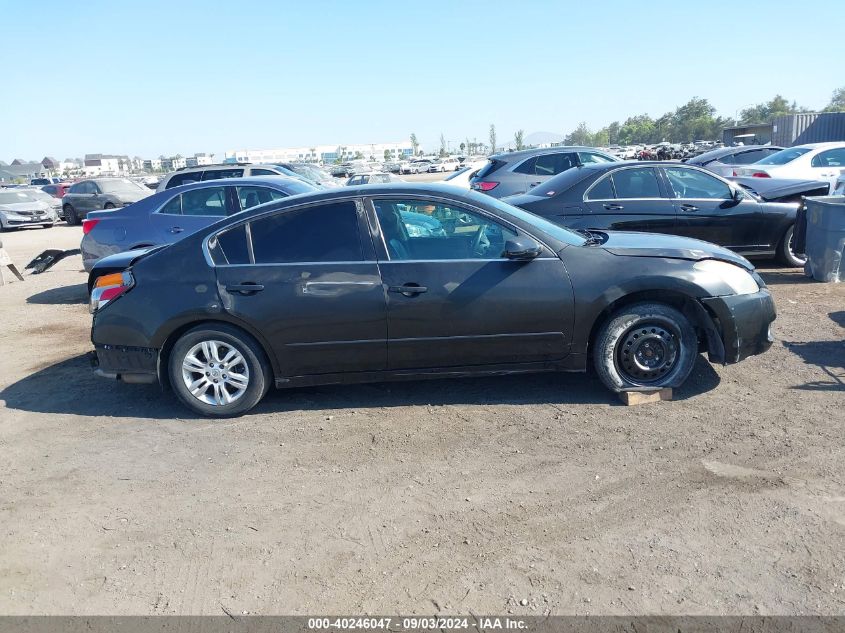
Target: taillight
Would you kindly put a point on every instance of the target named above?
(109, 287)
(735, 174)
(87, 225)
(486, 185)
(760, 174)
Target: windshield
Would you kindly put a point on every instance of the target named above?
(314, 173)
(14, 198)
(298, 186)
(456, 174)
(555, 231)
(40, 195)
(121, 185)
(784, 156)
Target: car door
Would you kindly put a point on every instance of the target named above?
(453, 299)
(708, 209)
(85, 200)
(828, 165)
(629, 199)
(306, 278)
(191, 211)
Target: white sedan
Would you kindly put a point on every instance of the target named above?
(814, 161)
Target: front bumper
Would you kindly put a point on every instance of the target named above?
(28, 220)
(129, 364)
(744, 323)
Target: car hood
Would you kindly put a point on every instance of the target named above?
(14, 207)
(131, 196)
(777, 188)
(630, 244)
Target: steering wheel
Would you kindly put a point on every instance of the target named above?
(480, 243)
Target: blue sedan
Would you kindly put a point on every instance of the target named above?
(172, 214)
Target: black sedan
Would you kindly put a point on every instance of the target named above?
(338, 287)
(670, 198)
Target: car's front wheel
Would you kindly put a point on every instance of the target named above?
(645, 345)
(786, 252)
(218, 370)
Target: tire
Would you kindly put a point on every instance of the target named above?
(46, 226)
(108, 205)
(70, 215)
(199, 343)
(648, 345)
(785, 255)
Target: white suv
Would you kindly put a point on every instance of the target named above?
(215, 172)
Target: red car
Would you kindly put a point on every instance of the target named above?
(58, 190)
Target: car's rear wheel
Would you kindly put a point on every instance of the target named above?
(70, 215)
(645, 345)
(786, 254)
(218, 370)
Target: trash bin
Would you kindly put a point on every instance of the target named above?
(825, 248)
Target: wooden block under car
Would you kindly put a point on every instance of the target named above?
(631, 398)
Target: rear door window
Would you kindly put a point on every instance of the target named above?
(830, 158)
(638, 182)
(173, 207)
(602, 190)
(526, 167)
(230, 247)
(552, 164)
(321, 233)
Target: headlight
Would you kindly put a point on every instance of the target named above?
(738, 279)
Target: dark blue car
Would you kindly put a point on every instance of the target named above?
(172, 214)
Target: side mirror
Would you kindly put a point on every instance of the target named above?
(522, 248)
(738, 195)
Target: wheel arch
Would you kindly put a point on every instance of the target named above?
(170, 340)
(705, 324)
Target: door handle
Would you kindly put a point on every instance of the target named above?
(534, 184)
(175, 229)
(409, 290)
(689, 207)
(613, 207)
(245, 289)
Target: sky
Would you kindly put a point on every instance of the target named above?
(186, 76)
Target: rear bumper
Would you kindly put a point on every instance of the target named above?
(129, 364)
(744, 323)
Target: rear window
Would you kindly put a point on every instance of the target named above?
(784, 156)
(489, 168)
(215, 174)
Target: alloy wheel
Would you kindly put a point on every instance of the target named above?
(215, 372)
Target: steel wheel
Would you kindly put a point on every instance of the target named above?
(647, 352)
(215, 372)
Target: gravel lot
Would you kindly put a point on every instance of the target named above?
(448, 496)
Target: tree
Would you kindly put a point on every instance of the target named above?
(414, 143)
(579, 136)
(463, 146)
(387, 154)
(767, 112)
(613, 133)
(492, 139)
(837, 101)
(519, 140)
(359, 156)
(600, 138)
(442, 145)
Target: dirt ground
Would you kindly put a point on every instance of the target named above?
(451, 496)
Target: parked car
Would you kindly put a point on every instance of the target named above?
(369, 179)
(19, 209)
(725, 160)
(444, 165)
(669, 198)
(463, 176)
(95, 194)
(418, 166)
(217, 172)
(38, 193)
(332, 288)
(517, 172)
(814, 161)
(780, 190)
(312, 173)
(41, 181)
(57, 190)
(171, 215)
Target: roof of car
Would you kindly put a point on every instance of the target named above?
(821, 145)
(714, 154)
(245, 181)
(524, 153)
